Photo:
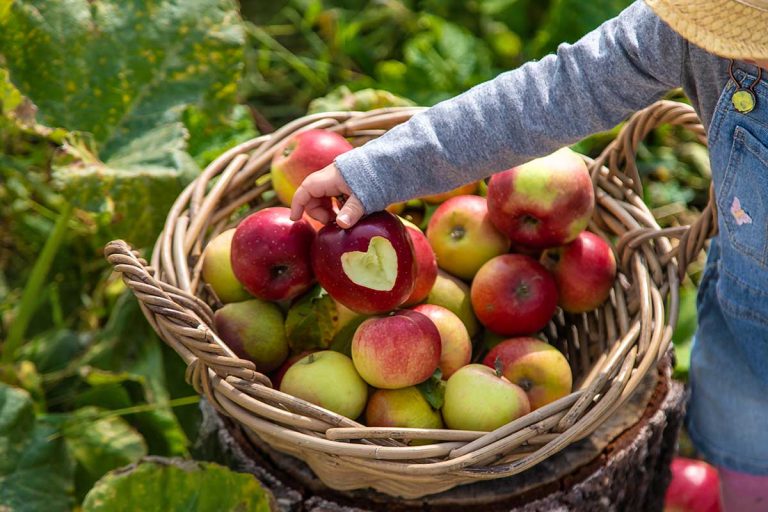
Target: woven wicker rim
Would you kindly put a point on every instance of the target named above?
(610, 350)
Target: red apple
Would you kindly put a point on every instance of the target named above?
(463, 237)
(469, 188)
(405, 407)
(456, 346)
(397, 350)
(514, 294)
(426, 266)
(217, 269)
(302, 154)
(270, 254)
(584, 271)
(544, 203)
(476, 398)
(534, 365)
(369, 268)
(695, 487)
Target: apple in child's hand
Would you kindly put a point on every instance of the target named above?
(426, 265)
(397, 350)
(302, 154)
(695, 487)
(543, 203)
(327, 379)
(463, 190)
(270, 254)
(534, 365)
(254, 330)
(217, 269)
(404, 407)
(456, 346)
(463, 237)
(370, 267)
(584, 271)
(452, 293)
(514, 294)
(476, 398)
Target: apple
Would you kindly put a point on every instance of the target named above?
(217, 269)
(397, 350)
(404, 407)
(456, 346)
(454, 294)
(543, 203)
(534, 365)
(463, 237)
(270, 254)
(328, 379)
(469, 188)
(426, 265)
(302, 154)
(397, 208)
(514, 294)
(584, 271)
(476, 398)
(695, 487)
(254, 330)
(277, 376)
(369, 268)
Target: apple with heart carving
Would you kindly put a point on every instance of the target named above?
(369, 268)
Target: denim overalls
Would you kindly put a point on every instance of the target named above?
(728, 411)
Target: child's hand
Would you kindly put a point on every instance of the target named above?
(313, 196)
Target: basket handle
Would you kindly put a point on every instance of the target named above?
(619, 157)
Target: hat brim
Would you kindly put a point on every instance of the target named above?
(723, 27)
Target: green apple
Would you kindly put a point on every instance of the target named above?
(456, 346)
(405, 407)
(217, 269)
(453, 294)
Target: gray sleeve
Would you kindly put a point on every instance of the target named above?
(587, 87)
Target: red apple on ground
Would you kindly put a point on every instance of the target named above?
(544, 203)
(327, 379)
(463, 237)
(534, 365)
(426, 265)
(456, 346)
(396, 351)
(514, 294)
(404, 407)
(254, 330)
(476, 398)
(463, 190)
(370, 267)
(695, 487)
(217, 269)
(301, 155)
(584, 271)
(453, 293)
(270, 254)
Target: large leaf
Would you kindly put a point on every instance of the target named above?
(311, 321)
(36, 469)
(173, 484)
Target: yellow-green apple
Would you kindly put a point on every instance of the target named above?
(302, 154)
(277, 375)
(397, 208)
(584, 271)
(370, 267)
(477, 398)
(254, 330)
(328, 379)
(426, 265)
(514, 294)
(454, 294)
(456, 346)
(397, 350)
(270, 254)
(404, 407)
(534, 365)
(543, 203)
(469, 188)
(217, 269)
(463, 237)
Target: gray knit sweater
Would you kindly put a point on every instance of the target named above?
(590, 86)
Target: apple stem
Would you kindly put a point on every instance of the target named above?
(311, 358)
(498, 366)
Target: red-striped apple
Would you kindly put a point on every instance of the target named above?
(456, 346)
(426, 265)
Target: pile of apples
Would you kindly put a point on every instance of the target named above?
(398, 327)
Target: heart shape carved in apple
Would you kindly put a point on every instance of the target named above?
(375, 268)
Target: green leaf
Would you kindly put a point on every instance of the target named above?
(311, 321)
(342, 340)
(433, 390)
(211, 134)
(36, 469)
(173, 484)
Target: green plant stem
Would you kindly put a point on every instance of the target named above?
(30, 298)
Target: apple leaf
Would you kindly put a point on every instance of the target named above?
(311, 321)
(158, 484)
(342, 341)
(433, 390)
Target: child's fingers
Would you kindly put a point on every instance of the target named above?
(319, 210)
(350, 213)
(326, 182)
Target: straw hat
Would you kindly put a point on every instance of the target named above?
(737, 29)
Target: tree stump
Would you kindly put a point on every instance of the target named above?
(623, 466)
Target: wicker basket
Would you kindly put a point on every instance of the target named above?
(609, 350)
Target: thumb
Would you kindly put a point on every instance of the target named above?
(350, 213)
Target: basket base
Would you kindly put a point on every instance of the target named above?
(623, 466)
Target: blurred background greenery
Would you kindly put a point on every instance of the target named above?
(107, 109)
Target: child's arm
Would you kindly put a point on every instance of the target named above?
(624, 65)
